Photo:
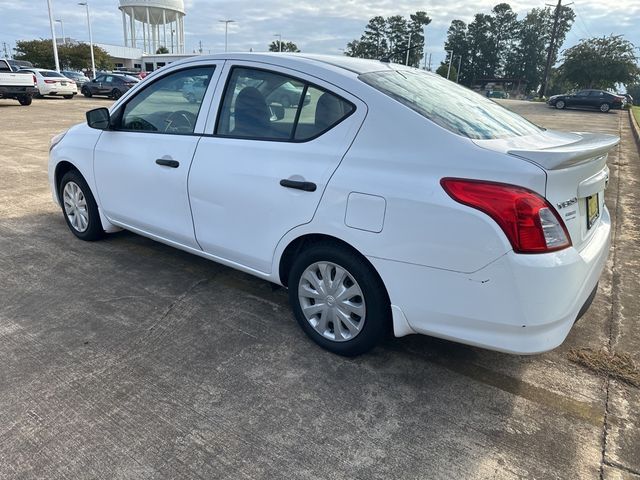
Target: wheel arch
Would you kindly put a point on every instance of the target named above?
(61, 169)
(298, 244)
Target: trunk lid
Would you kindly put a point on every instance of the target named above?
(575, 165)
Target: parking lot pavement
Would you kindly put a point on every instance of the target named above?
(128, 359)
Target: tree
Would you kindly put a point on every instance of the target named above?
(74, 56)
(443, 69)
(390, 37)
(162, 50)
(286, 47)
(601, 63)
(500, 45)
(457, 43)
(634, 91)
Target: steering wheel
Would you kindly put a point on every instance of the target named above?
(180, 121)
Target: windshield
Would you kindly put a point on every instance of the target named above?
(450, 105)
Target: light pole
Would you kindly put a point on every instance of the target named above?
(53, 37)
(450, 60)
(458, 72)
(93, 61)
(279, 35)
(226, 31)
(64, 41)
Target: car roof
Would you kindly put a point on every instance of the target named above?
(350, 64)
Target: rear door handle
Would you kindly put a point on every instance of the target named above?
(299, 185)
(168, 163)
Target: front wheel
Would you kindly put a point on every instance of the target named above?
(338, 299)
(79, 207)
(86, 92)
(560, 104)
(605, 107)
(25, 100)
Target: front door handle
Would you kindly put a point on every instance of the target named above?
(297, 184)
(168, 163)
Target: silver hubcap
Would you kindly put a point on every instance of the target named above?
(560, 104)
(75, 206)
(604, 107)
(332, 301)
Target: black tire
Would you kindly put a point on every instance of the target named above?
(116, 94)
(68, 97)
(377, 318)
(86, 92)
(25, 100)
(94, 229)
(605, 107)
(560, 104)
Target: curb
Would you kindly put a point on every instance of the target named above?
(634, 127)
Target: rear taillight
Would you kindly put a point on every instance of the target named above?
(35, 81)
(530, 222)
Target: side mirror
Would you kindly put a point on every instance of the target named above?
(277, 111)
(99, 118)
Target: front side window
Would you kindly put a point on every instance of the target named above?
(168, 105)
(264, 105)
(450, 105)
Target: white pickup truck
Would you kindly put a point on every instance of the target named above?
(16, 84)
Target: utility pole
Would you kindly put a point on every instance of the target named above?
(458, 72)
(93, 59)
(552, 47)
(450, 60)
(408, 49)
(279, 35)
(53, 37)
(429, 62)
(226, 31)
(4, 47)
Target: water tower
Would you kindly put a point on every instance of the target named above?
(151, 24)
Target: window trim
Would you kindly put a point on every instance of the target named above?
(118, 115)
(291, 138)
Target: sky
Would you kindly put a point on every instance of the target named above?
(315, 26)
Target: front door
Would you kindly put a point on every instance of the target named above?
(264, 169)
(141, 165)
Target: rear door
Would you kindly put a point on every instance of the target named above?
(580, 99)
(263, 166)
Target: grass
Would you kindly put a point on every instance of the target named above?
(604, 362)
(636, 113)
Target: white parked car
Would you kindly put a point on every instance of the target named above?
(393, 201)
(50, 82)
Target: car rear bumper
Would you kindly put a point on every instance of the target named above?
(522, 304)
(70, 89)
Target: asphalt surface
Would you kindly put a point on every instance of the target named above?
(128, 359)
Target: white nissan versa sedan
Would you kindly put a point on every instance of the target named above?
(392, 200)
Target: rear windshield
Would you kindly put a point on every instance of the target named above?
(450, 105)
(50, 73)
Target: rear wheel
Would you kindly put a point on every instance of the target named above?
(605, 107)
(560, 104)
(338, 299)
(79, 207)
(68, 97)
(116, 94)
(25, 100)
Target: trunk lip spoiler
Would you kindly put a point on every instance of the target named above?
(583, 149)
(552, 149)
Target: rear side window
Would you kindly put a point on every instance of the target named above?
(264, 105)
(450, 105)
